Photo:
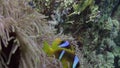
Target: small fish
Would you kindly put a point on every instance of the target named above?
(62, 52)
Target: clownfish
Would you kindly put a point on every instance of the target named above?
(62, 52)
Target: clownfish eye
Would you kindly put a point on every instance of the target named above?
(64, 44)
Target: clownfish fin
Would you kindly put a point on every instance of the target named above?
(47, 49)
(76, 61)
(65, 44)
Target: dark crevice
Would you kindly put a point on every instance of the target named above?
(116, 62)
(14, 61)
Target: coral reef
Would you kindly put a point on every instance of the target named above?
(91, 26)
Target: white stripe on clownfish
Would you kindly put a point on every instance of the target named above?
(76, 61)
(61, 54)
(65, 44)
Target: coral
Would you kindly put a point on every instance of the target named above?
(91, 26)
(78, 8)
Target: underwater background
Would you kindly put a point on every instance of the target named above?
(59, 33)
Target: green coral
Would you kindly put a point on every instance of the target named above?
(94, 23)
(78, 8)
